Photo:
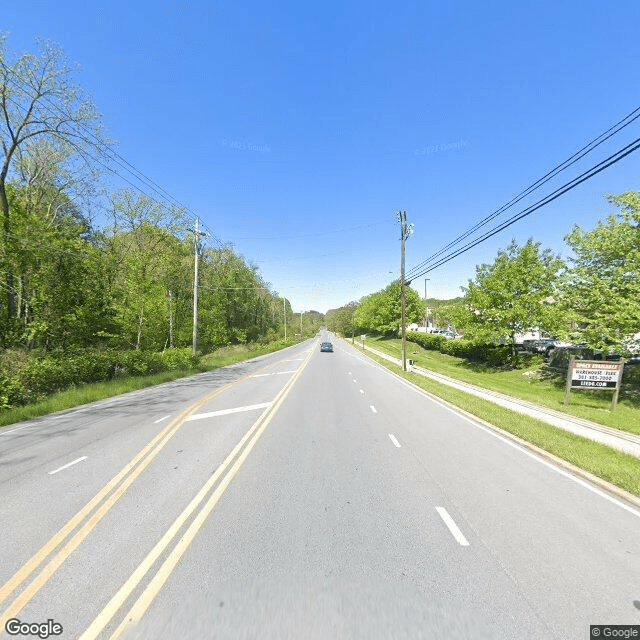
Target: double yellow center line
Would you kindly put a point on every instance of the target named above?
(104, 500)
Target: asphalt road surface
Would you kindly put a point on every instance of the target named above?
(300, 495)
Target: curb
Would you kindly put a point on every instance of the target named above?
(606, 486)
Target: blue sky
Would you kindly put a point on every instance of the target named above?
(297, 131)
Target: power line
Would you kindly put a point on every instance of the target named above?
(112, 156)
(596, 142)
(601, 166)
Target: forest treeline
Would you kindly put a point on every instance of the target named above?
(91, 274)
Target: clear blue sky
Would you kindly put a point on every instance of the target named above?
(296, 131)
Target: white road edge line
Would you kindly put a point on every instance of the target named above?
(161, 419)
(394, 440)
(226, 412)
(511, 443)
(69, 464)
(452, 526)
(373, 408)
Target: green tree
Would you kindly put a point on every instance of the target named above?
(381, 312)
(38, 100)
(602, 287)
(514, 294)
(342, 319)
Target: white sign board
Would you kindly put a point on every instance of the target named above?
(595, 374)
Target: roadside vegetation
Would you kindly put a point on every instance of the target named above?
(620, 469)
(79, 393)
(89, 309)
(532, 380)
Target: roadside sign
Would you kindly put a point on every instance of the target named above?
(594, 374)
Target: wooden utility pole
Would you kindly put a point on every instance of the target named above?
(405, 232)
(196, 243)
(284, 314)
(426, 312)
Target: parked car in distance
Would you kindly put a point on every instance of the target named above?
(326, 346)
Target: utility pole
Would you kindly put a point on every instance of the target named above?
(405, 232)
(196, 243)
(284, 314)
(425, 303)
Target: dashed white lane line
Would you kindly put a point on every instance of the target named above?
(452, 526)
(362, 391)
(225, 412)
(277, 373)
(161, 419)
(394, 440)
(69, 464)
(373, 409)
(355, 380)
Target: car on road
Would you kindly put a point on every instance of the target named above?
(326, 346)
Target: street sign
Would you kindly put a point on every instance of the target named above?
(594, 374)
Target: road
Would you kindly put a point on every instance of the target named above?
(302, 495)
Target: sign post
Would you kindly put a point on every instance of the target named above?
(594, 374)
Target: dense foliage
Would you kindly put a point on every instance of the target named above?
(514, 294)
(380, 312)
(78, 302)
(602, 289)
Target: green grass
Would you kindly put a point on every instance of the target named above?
(531, 383)
(86, 393)
(618, 468)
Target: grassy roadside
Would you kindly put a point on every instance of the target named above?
(526, 384)
(618, 468)
(86, 393)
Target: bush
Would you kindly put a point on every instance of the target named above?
(28, 377)
(430, 341)
(473, 350)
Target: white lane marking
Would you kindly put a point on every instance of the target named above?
(531, 454)
(277, 373)
(294, 359)
(3, 432)
(161, 419)
(373, 408)
(355, 381)
(452, 526)
(394, 440)
(226, 412)
(362, 391)
(69, 464)
(349, 372)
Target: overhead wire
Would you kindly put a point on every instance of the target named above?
(590, 146)
(601, 166)
(166, 201)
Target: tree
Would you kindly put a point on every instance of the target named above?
(602, 287)
(39, 100)
(514, 294)
(380, 312)
(342, 319)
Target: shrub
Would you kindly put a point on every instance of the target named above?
(26, 377)
(473, 350)
(430, 341)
